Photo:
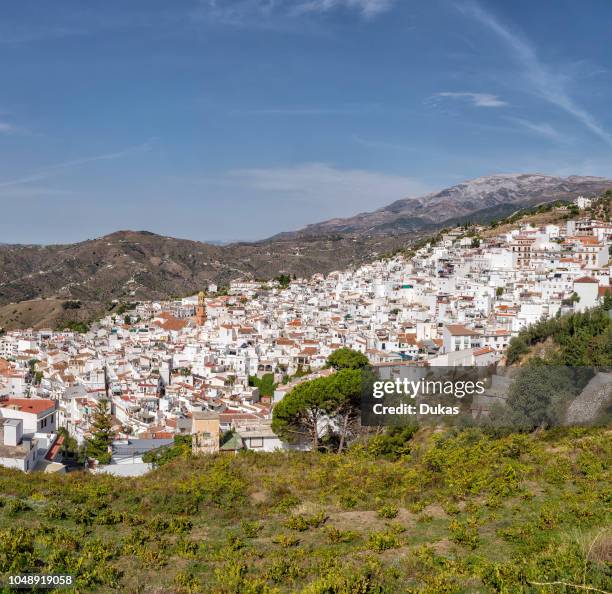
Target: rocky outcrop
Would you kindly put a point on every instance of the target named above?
(593, 401)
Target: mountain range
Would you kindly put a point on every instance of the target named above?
(481, 198)
(129, 265)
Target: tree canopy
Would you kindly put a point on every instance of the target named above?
(580, 338)
(323, 406)
(265, 384)
(300, 413)
(102, 434)
(538, 396)
(346, 358)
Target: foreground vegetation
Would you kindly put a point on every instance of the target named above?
(576, 339)
(430, 512)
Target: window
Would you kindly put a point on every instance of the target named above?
(257, 442)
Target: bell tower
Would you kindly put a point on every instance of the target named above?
(201, 309)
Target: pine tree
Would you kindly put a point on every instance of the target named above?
(102, 434)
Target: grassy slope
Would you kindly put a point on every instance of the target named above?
(474, 514)
(45, 313)
(538, 219)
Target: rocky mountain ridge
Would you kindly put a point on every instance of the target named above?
(484, 197)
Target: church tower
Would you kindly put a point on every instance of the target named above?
(201, 309)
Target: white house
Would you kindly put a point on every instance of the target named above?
(259, 436)
(27, 431)
(581, 202)
(587, 289)
(457, 337)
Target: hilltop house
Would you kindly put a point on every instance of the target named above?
(27, 431)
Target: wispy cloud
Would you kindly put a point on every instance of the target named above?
(309, 111)
(268, 13)
(384, 144)
(549, 85)
(6, 128)
(319, 190)
(28, 191)
(368, 8)
(14, 35)
(325, 179)
(476, 99)
(542, 129)
(58, 168)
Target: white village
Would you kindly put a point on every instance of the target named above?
(195, 366)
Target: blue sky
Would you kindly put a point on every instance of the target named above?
(237, 119)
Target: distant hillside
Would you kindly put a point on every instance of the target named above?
(129, 265)
(480, 199)
(47, 313)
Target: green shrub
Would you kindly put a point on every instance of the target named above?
(345, 582)
(13, 507)
(316, 520)
(16, 550)
(187, 549)
(465, 533)
(387, 511)
(381, 541)
(299, 523)
(250, 529)
(348, 501)
(336, 536)
(187, 583)
(109, 518)
(287, 503)
(54, 511)
(284, 570)
(286, 540)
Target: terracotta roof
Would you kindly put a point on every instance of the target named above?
(171, 323)
(460, 330)
(584, 240)
(483, 351)
(55, 448)
(586, 279)
(309, 351)
(29, 405)
(407, 339)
